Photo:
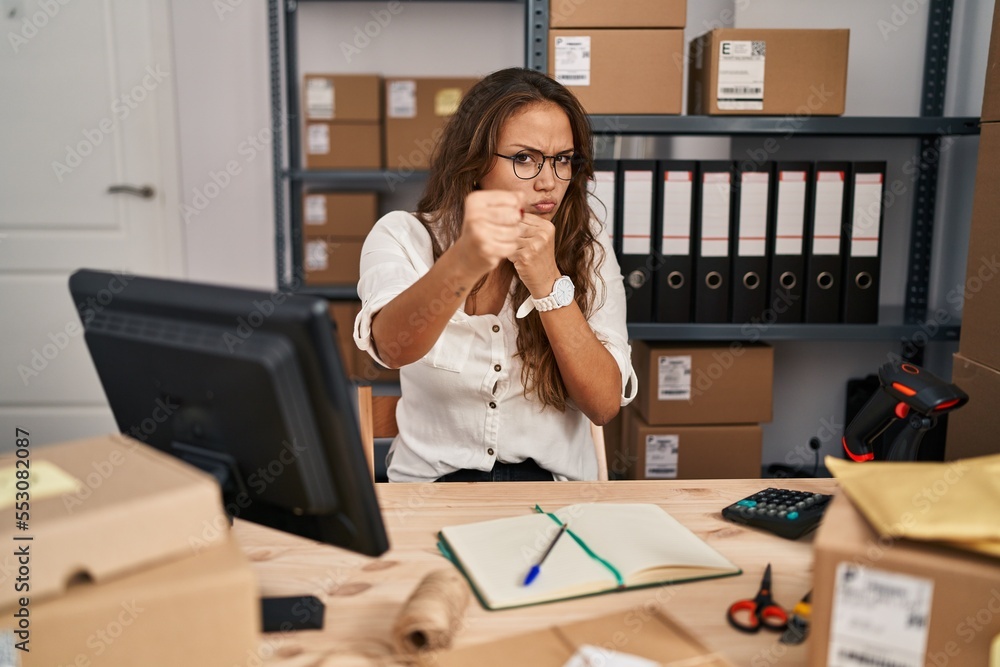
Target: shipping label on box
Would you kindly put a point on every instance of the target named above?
(879, 618)
(402, 102)
(674, 379)
(661, 456)
(319, 98)
(741, 75)
(573, 61)
(318, 142)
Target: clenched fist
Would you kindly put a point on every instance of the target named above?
(490, 228)
(535, 257)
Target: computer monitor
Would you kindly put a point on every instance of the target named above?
(246, 385)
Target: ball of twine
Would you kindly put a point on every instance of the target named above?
(433, 614)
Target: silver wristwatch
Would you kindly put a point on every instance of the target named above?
(562, 295)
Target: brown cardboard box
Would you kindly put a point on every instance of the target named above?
(991, 94)
(617, 14)
(416, 111)
(202, 610)
(981, 308)
(343, 145)
(887, 587)
(701, 383)
(973, 428)
(613, 634)
(342, 97)
(804, 72)
(122, 506)
(626, 71)
(691, 452)
(339, 214)
(332, 260)
(358, 364)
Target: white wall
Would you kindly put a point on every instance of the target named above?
(222, 78)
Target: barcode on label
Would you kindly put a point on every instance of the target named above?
(740, 90)
(572, 76)
(867, 659)
(759, 48)
(661, 471)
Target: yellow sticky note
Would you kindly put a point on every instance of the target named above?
(45, 479)
(446, 101)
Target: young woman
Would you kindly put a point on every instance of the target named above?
(500, 300)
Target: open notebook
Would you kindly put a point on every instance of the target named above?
(607, 547)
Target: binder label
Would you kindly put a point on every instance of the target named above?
(638, 213)
(741, 75)
(319, 99)
(661, 456)
(674, 378)
(829, 212)
(866, 215)
(753, 214)
(715, 199)
(573, 61)
(402, 99)
(603, 188)
(879, 618)
(315, 210)
(791, 213)
(676, 213)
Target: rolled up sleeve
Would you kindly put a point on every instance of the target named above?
(396, 253)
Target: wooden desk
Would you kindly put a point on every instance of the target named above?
(363, 595)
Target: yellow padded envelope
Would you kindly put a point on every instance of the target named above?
(957, 502)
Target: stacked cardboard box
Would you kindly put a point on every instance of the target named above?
(416, 112)
(620, 58)
(883, 600)
(343, 121)
(334, 229)
(357, 364)
(125, 559)
(698, 412)
(754, 71)
(971, 430)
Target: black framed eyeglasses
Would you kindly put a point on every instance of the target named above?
(528, 164)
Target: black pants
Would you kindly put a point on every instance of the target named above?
(526, 471)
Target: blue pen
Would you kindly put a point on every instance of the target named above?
(536, 568)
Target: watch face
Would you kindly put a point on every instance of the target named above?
(563, 291)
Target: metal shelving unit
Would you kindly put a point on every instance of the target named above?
(929, 128)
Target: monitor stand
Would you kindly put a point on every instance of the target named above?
(278, 614)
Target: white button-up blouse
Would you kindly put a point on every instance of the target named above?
(463, 403)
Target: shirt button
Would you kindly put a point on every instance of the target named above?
(496, 328)
(493, 404)
(497, 368)
(490, 451)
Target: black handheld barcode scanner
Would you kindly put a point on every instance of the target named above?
(906, 392)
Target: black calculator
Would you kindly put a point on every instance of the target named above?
(790, 514)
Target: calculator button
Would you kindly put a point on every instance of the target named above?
(792, 515)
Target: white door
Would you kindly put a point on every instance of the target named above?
(86, 103)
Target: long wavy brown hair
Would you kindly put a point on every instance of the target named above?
(465, 154)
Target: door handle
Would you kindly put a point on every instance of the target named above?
(145, 191)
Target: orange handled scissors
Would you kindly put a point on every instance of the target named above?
(751, 614)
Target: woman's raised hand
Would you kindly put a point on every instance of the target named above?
(490, 228)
